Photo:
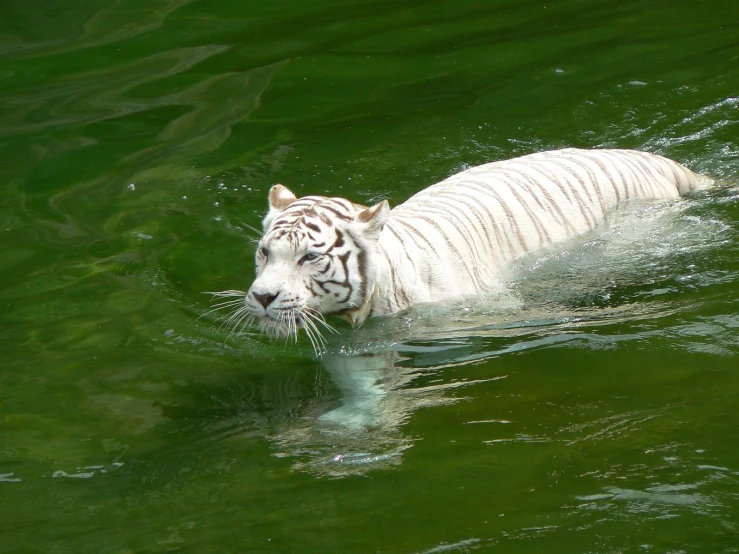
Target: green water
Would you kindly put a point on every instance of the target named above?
(591, 407)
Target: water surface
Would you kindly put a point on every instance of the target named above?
(589, 407)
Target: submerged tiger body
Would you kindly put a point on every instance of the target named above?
(321, 256)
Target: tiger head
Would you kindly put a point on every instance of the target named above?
(317, 257)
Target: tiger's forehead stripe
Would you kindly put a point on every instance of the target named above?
(308, 217)
(308, 221)
(316, 206)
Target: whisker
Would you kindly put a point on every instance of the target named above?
(317, 339)
(312, 340)
(246, 322)
(240, 321)
(290, 322)
(297, 319)
(310, 320)
(318, 317)
(236, 318)
(309, 325)
(221, 306)
(259, 233)
(230, 302)
(231, 323)
(284, 320)
(227, 319)
(225, 293)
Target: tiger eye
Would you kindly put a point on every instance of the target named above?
(309, 257)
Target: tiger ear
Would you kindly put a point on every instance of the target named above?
(374, 218)
(280, 197)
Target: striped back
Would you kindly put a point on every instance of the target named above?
(460, 232)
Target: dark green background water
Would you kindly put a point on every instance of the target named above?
(592, 407)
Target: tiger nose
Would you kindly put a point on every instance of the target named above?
(265, 299)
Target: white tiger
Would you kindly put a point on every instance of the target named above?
(321, 256)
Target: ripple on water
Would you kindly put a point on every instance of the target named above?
(664, 487)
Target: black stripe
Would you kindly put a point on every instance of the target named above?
(336, 212)
(470, 239)
(556, 209)
(312, 226)
(473, 206)
(597, 162)
(390, 228)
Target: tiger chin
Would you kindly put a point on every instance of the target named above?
(323, 256)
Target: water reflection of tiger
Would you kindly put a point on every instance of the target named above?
(322, 255)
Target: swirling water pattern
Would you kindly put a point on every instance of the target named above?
(590, 407)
